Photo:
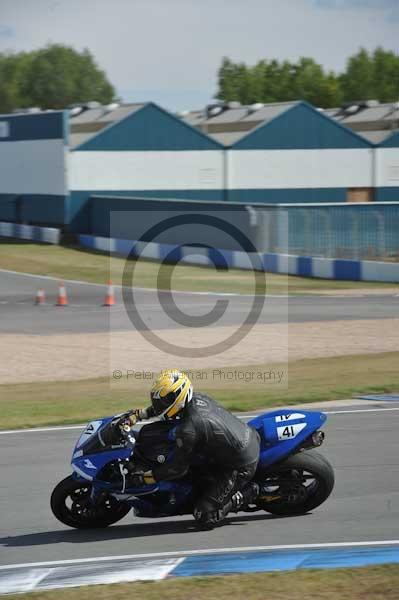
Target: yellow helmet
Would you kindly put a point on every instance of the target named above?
(171, 391)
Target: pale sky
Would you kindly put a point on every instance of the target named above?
(168, 51)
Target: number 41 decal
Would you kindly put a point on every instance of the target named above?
(289, 431)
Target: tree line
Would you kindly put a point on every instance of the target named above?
(57, 75)
(368, 75)
(51, 77)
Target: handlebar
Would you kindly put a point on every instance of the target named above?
(127, 420)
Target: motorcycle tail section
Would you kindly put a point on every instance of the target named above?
(284, 432)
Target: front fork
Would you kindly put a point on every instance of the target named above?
(97, 496)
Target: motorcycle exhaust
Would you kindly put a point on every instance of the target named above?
(318, 438)
(313, 441)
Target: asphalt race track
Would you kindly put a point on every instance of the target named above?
(362, 445)
(85, 312)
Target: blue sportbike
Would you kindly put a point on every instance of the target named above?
(293, 478)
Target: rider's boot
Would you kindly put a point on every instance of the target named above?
(205, 521)
(211, 519)
(245, 496)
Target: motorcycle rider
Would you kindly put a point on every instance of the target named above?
(229, 446)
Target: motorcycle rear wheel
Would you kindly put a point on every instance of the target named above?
(70, 505)
(303, 481)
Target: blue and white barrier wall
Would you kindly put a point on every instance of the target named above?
(48, 235)
(303, 266)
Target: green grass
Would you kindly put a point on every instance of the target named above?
(77, 263)
(364, 583)
(310, 380)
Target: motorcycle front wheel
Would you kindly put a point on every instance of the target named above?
(297, 485)
(70, 504)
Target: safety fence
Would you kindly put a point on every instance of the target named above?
(360, 231)
(352, 231)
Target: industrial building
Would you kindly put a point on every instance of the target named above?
(387, 158)
(379, 124)
(52, 163)
(72, 168)
(288, 152)
(374, 121)
(143, 151)
(33, 186)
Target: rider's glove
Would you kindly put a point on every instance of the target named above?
(137, 414)
(148, 478)
(140, 479)
(134, 416)
(128, 420)
(145, 413)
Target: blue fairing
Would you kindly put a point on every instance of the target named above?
(282, 431)
(88, 465)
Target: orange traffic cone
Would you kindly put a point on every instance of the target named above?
(40, 297)
(109, 296)
(62, 299)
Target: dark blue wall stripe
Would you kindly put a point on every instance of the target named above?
(220, 258)
(33, 208)
(150, 128)
(289, 195)
(65, 126)
(39, 126)
(304, 266)
(87, 240)
(387, 194)
(169, 253)
(125, 247)
(270, 262)
(301, 127)
(44, 209)
(8, 207)
(347, 270)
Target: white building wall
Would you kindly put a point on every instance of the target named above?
(290, 169)
(387, 167)
(147, 170)
(32, 167)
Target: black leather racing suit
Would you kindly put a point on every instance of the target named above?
(230, 449)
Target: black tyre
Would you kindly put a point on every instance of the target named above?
(297, 485)
(70, 503)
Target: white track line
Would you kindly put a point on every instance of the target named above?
(50, 278)
(252, 416)
(365, 410)
(41, 429)
(140, 289)
(184, 553)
